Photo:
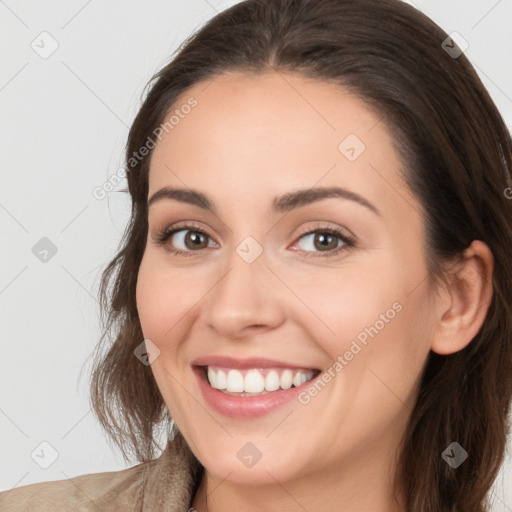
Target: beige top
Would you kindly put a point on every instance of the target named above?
(164, 484)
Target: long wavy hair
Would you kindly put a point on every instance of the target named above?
(456, 155)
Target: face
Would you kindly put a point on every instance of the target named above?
(310, 308)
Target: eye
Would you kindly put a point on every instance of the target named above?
(321, 241)
(184, 239)
(324, 242)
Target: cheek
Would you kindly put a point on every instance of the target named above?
(164, 312)
(160, 304)
(378, 348)
(344, 304)
(168, 302)
(371, 321)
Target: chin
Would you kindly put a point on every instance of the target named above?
(251, 460)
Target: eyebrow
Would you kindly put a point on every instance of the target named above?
(281, 204)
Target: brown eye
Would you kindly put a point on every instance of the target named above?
(324, 241)
(186, 239)
(321, 241)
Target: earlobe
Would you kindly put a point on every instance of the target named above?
(470, 294)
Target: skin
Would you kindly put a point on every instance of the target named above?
(249, 139)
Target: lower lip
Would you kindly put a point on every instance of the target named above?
(245, 406)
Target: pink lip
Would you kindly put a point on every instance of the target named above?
(245, 406)
(253, 362)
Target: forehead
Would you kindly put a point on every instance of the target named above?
(269, 133)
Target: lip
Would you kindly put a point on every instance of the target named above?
(246, 364)
(245, 406)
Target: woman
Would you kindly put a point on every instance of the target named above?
(313, 292)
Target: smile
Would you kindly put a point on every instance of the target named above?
(256, 381)
(249, 388)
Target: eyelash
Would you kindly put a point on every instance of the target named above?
(348, 241)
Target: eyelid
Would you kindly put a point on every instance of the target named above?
(324, 226)
(178, 226)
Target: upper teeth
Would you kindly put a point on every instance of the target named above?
(256, 380)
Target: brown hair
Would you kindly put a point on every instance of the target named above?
(456, 153)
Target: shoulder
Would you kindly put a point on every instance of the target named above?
(110, 490)
(165, 484)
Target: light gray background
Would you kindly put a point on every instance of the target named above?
(64, 124)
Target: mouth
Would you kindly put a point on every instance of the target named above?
(249, 388)
(256, 381)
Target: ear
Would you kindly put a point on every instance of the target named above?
(466, 300)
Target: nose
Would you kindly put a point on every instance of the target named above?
(247, 298)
